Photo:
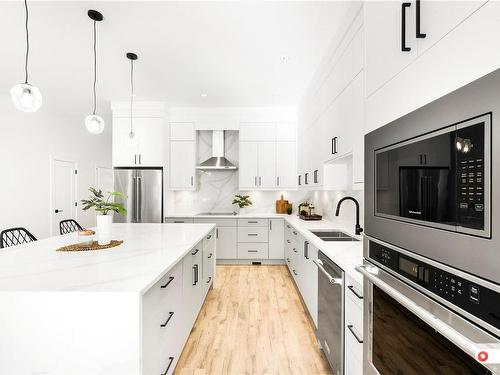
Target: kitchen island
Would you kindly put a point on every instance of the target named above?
(125, 310)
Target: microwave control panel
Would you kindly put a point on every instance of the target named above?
(478, 300)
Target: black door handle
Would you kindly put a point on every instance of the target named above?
(170, 315)
(57, 211)
(418, 33)
(403, 27)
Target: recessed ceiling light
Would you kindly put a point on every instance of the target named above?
(284, 59)
(203, 94)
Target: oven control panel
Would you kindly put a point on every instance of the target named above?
(476, 299)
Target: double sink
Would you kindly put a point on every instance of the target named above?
(333, 235)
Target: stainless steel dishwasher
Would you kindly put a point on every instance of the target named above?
(330, 331)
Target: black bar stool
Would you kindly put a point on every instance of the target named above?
(15, 236)
(69, 226)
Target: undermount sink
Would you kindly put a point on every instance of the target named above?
(333, 235)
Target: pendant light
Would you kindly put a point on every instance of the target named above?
(26, 97)
(93, 122)
(132, 137)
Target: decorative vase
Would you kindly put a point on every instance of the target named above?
(104, 229)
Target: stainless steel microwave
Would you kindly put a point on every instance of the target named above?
(432, 180)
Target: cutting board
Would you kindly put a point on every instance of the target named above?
(281, 206)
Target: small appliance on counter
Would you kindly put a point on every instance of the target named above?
(309, 213)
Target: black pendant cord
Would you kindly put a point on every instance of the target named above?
(27, 43)
(95, 67)
(131, 95)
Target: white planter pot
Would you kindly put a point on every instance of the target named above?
(104, 229)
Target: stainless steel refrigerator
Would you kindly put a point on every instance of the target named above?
(143, 189)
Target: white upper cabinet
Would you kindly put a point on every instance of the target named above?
(148, 127)
(148, 151)
(286, 167)
(267, 165)
(268, 157)
(183, 165)
(249, 165)
(384, 55)
(182, 131)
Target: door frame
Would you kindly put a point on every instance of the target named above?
(53, 160)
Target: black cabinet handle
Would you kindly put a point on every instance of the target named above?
(294, 232)
(252, 222)
(295, 272)
(351, 288)
(300, 180)
(403, 27)
(170, 360)
(209, 255)
(288, 241)
(209, 279)
(209, 236)
(419, 35)
(170, 315)
(316, 176)
(306, 178)
(354, 334)
(306, 249)
(334, 145)
(170, 279)
(253, 251)
(57, 211)
(288, 260)
(195, 252)
(294, 249)
(252, 234)
(216, 232)
(195, 269)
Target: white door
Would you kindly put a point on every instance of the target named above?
(383, 55)
(249, 163)
(227, 238)
(182, 165)
(286, 165)
(149, 141)
(124, 155)
(63, 193)
(267, 165)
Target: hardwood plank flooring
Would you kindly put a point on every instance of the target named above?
(253, 322)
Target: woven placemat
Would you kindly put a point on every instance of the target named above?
(94, 246)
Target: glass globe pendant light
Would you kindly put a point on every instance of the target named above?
(26, 97)
(95, 123)
(132, 137)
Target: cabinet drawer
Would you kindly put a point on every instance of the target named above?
(256, 234)
(179, 220)
(253, 251)
(218, 222)
(253, 222)
(354, 313)
(354, 353)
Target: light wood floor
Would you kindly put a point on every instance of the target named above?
(253, 322)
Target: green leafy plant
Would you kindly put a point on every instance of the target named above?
(242, 200)
(97, 201)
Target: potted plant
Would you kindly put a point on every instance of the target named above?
(104, 207)
(242, 201)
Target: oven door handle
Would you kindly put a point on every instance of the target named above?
(332, 280)
(483, 354)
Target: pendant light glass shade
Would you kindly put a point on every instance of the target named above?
(94, 124)
(26, 98)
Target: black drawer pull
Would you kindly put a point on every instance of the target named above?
(288, 241)
(195, 252)
(178, 221)
(288, 260)
(252, 222)
(351, 288)
(253, 251)
(170, 315)
(294, 232)
(354, 334)
(170, 279)
(209, 236)
(170, 360)
(253, 234)
(209, 255)
(195, 276)
(294, 249)
(403, 27)
(295, 272)
(209, 279)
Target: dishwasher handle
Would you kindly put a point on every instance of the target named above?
(331, 279)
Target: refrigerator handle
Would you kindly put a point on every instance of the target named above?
(139, 202)
(134, 194)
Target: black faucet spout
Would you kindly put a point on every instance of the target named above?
(358, 228)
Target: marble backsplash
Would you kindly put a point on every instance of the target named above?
(216, 190)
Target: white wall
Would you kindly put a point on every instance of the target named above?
(27, 143)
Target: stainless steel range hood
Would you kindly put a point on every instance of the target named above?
(217, 161)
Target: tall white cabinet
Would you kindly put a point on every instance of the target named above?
(183, 156)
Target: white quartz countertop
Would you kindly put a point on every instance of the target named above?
(347, 255)
(148, 252)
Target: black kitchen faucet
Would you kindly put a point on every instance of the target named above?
(337, 211)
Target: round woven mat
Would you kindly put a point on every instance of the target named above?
(94, 246)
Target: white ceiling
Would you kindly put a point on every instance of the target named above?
(229, 50)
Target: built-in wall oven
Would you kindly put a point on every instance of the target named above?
(432, 180)
(422, 317)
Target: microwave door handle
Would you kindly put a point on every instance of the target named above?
(464, 343)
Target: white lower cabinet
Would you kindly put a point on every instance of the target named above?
(209, 254)
(353, 327)
(227, 242)
(276, 238)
